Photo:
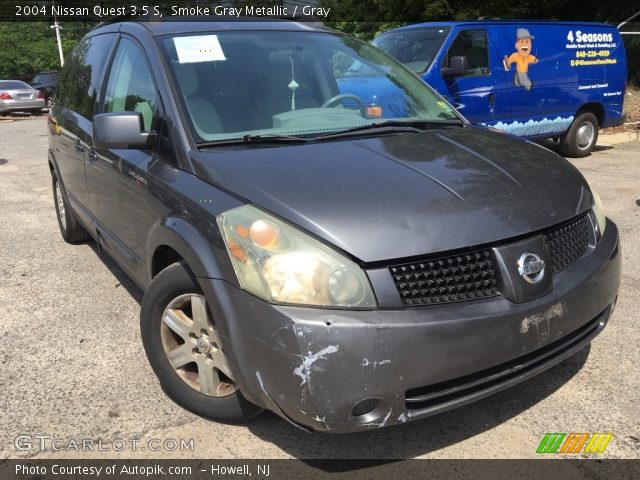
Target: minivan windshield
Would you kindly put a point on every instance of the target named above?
(276, 84)
(415, 47)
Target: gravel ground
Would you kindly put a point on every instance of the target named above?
(72, 364)
(632, 105)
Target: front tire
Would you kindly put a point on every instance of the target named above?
(182, 344)
(581, 137)
(70, 228)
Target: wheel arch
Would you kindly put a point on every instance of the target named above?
(174, 239)
(54, 169)
(593, 107)
(53, 165)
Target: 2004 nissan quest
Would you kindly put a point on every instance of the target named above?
(300, 253)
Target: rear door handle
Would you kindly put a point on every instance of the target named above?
(93, 155)
(79, 147)
(492, 99)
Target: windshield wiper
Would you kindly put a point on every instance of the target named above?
(254, 139)
(416, 126)
(273, 139)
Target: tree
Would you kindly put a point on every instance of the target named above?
(31, 47)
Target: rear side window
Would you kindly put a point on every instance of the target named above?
(80, 77)
(43, 78)
(473, 45)
(13, 85)
(130, 86)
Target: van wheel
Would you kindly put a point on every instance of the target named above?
(182, 344)
(70, 228)
(581, 137)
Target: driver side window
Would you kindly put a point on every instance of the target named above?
(473, 45)
(130, 87)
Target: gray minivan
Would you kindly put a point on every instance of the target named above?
(299, 254)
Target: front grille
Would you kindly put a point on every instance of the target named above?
(448, 279)
(568, 243)
(472, 276)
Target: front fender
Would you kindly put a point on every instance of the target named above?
(54, 164)
(206, 257)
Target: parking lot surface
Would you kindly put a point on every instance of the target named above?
(72, 366)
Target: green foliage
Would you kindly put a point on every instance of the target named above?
(31, 47)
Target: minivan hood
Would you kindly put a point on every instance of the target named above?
(405, 194)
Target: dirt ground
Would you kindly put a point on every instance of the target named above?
(632, 109)
(632, 105)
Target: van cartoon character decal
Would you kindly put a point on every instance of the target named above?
(522, 57)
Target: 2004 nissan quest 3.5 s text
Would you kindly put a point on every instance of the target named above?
(303, 253)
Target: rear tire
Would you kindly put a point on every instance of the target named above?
(70, 228)
(581, 137)
(184, 350)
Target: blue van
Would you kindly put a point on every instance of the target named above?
(533, 79)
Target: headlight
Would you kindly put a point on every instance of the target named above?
(598, 209)
(280, 264)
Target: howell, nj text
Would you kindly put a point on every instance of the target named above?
(244, 470)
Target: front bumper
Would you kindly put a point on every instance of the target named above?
(312, 366)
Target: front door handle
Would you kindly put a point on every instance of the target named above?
(93, 155)
(79, 147)
(492, 99)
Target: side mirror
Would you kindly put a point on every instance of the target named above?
(458, 67)
(120, 130)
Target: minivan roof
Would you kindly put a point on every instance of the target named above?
(497, 22)
(177, 25)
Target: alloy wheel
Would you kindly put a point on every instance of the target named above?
(192, 346)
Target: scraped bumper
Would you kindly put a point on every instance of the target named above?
(344, 371)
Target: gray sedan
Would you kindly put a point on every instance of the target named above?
(17, 96)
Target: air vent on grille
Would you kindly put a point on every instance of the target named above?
(448, 279)
(568, 243)
(470, 276)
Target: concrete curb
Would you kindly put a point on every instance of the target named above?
(608, 139)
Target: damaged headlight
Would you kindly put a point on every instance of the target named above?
(598, 210)
(280, 264)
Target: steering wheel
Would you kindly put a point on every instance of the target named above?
(337, 100)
